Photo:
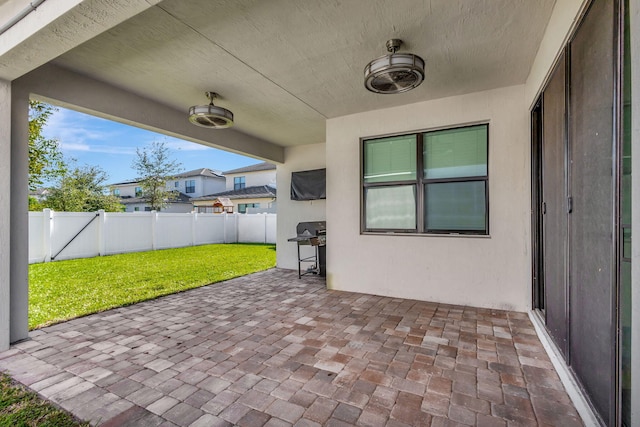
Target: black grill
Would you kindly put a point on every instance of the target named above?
(312, 233)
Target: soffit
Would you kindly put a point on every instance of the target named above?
(284, 66)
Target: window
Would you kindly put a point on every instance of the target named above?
(176, 184)
(428, 182)
(116, 192)
(238, 183)
(147, 208)
(136, 209)
(190, 186)
(138, 191)
(242, 207)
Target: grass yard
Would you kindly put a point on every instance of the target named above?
(63, 290)
(22, 408)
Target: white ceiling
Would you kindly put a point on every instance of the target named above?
(284, 66)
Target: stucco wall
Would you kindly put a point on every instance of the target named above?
(126, 189)
(480, 271)
(253, 179)
(208, 185)
(264, 202)
(291, 212)
(5, 211)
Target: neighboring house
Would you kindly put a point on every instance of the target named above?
(258, 198)
(196, 183)
(251, 176)
(181, 204)
(250, 189)
(220, 205)
(416, 207)
(39, 194)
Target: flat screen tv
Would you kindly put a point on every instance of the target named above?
(309, 185)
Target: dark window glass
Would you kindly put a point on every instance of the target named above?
(458, 206)
(430, 182)
(238, 183)
(242, 207)
(190, 186)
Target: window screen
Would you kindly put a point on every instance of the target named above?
(428, 182)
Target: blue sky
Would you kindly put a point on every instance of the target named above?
(112, 146)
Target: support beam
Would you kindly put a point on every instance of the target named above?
(78, 92)
(58, 26)
(18, 216)
(5, 211)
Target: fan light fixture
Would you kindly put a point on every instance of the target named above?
(394, 73)
(210, 116)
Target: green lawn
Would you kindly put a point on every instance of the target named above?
(65, 289)
(21, 408)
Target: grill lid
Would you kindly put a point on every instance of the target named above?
(311, 228)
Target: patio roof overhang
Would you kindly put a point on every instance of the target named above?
(283, 67)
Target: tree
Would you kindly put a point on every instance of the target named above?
(83, 189)
(155, 168)
(45, 158)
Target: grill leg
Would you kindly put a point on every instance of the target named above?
(299, 268)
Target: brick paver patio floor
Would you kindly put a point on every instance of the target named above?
(270, 349)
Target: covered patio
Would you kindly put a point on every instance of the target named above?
(503, 181)
(270, 349)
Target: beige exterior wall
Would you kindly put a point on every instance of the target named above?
(291, 212)
(5, 212)
(489, 271)
(264, 202)
(253, 179)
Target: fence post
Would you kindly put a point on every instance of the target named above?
(194, 220)
(224, 228)
(154, 219)
(102, 241)
(47, 229)
(237, 228)
(265, 227)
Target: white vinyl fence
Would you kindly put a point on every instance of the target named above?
(69, 235)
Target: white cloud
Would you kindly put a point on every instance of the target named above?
(74, 146)
(178, 144)
(80, 132)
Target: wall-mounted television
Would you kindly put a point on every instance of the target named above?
(309, 185)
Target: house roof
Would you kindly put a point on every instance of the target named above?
(200, 172)
(196, 172)
(257, 192)
(133, 181)
(182, 198)
(224, 201)
(40, 191)
(264, 166)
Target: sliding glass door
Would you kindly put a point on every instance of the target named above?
(581, 184)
